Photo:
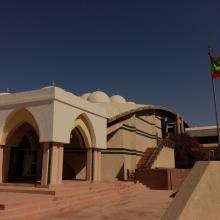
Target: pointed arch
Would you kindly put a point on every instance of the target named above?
(85, 127)
(15, 120)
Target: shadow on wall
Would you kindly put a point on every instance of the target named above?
(120, 175)
(68, 172)
(162, 179)
(74, 166)
(111, 135)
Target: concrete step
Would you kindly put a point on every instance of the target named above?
(25, 189)
(66, 198)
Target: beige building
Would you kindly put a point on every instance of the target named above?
(205, 135)
(50, 135)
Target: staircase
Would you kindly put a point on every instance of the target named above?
(153, 178)
(145, 157)
(151, 154)
(21, 203)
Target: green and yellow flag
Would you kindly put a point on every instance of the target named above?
(215, 66)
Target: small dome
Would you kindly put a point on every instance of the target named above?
(5, 93)
(133, 103)
(117, 99)
(86, 95)
(47, 87)
(98, 96)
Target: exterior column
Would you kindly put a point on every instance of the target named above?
(45, 163)
(60, 165)
(56, 163)
(178, 131)
(96, 165)
(1, 164)
(100, 165)
(89, 165)
(6, 161)
(182, 126)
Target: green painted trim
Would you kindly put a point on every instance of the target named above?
(148, 122)
(157, 117)
(142, 133)
(124, 149)
(145, 134)
(126, 153)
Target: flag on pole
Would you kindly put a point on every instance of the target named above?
(215, 66)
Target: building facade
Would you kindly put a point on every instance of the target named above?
(50, 135)
(207, 138)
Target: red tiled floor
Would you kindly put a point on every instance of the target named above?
(149, 205)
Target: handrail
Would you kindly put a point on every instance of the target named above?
(162, 143)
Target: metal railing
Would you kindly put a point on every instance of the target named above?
(163, 142)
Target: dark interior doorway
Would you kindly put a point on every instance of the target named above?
(25, 155)
(75, 157)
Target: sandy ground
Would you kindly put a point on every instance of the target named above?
(148, 205)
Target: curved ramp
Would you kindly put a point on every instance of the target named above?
(199, 195)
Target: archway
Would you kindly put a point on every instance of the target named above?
(78, 156)
(75, 157)
(23, 155)
(15, 119)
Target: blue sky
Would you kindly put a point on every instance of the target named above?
(151, 52)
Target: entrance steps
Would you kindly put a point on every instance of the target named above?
(22, 202)
(26, 189)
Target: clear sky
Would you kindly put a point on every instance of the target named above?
(150, 52)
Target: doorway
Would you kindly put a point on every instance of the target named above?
(25, 155)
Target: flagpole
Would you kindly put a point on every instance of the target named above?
(214, 98)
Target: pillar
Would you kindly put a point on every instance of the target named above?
(60, 165)
(6, 161)
(1, 164)
(45, 164)
(100, 165)
(178, 128)
(182, 126)
(96, 165)
(89, 165)
(56, 163)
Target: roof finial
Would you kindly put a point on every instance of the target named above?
(53, 83)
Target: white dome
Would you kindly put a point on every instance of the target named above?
(5, 93)
(47, 87)
(117, 99)
(85, 96)
(98, 96)
(131, 102)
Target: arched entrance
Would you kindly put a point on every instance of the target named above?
(23, 155)
(75, 157)
(78, 154)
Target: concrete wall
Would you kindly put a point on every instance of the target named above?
(115, 139)
(198, 197)
(76, 163)
(133, 136)
(158, 126)
(63, 123)
(121, 163)
(42, 114)
(54, 111)
(133, 133)
(112, 166)
(165, 159)
(162, 179)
